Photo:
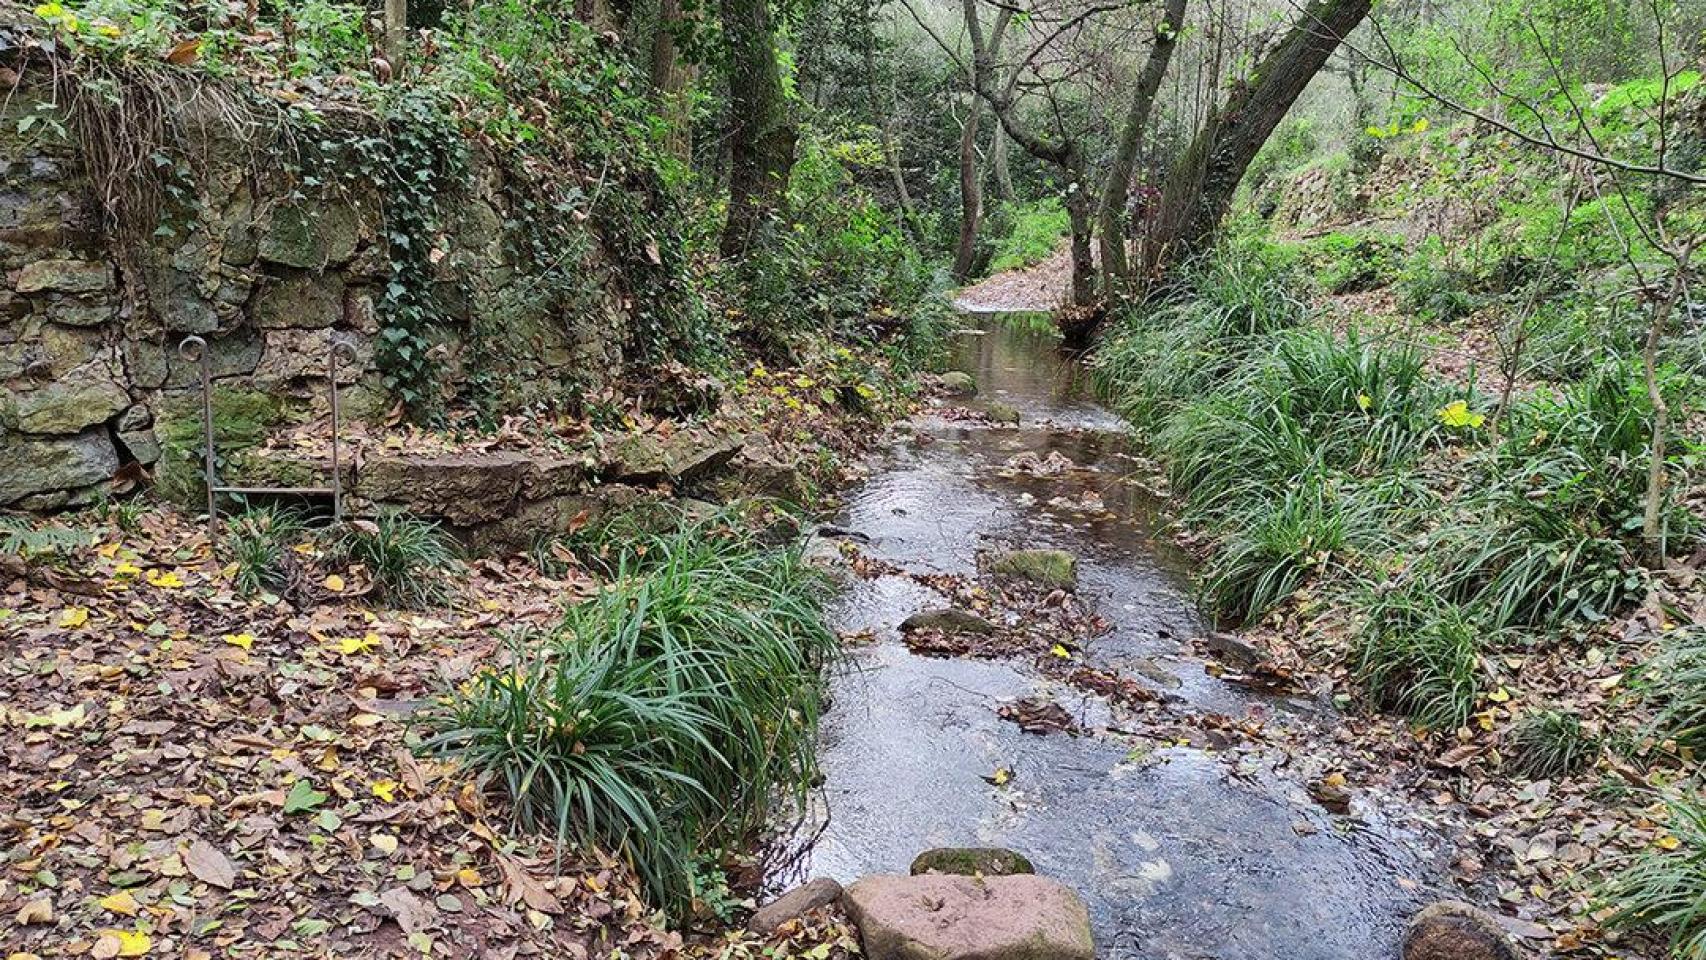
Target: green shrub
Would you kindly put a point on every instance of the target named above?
(1354, 262)
(1420, 655)
(1674, 684)
(1034, 233)
(21, 538)
(1665, 890)
(1547, 744)
(260, 542)
(406, 556)
(666, 715)
(1435, 292)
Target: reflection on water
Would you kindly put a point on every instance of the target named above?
(1178, 852)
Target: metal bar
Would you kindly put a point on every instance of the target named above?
(281, 491)
(199, 347)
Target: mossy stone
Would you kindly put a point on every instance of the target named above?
(1052, 569)
(972, 861)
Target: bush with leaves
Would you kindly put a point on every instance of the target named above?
(1421, 656)
(260, 543)
(1548, 744)
(407, 557)
(666, 715)
(1663, 889)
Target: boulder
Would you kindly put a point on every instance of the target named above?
(84, 396)
(1052, 569)
(462, 488)
(943, 917)
(65, 276)
(957, 384)
(1003, 413)
(301, 299)
(947, 620)
(796, 902)
(310, 235)
(1452, 930)
(650, 458)
(37, 466)
(972, 861)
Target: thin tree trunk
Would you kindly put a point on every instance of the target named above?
(1200, 186)
(998, 169)
(761, 143)
(671, 79)
(971, 192)
(1652, 527)
(1116, 191)
(396, 33)
(1080, 214)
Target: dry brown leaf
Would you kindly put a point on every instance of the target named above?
(210, 865)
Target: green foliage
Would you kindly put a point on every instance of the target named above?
(1430, 288)
(21, 538)
(1665, 890)
(1674, 685)
(1549, 744)
(407, 557)
(260, 542)
(1354, 262)
(664, 716)
(241, 419)
(1033, 232)
(1420, 655)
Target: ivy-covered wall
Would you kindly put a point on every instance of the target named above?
(422, 251)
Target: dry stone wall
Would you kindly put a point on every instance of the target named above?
(92, 385)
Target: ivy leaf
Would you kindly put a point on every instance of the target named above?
(302, 797)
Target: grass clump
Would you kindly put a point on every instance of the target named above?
(1664, 889)
(406, 556)
(1674, 684)
(1035, 232)
(25, 540)
(1548, 744)
(664, 716)
(1420, 656)
(259, 542)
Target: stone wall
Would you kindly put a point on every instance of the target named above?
(91, 382)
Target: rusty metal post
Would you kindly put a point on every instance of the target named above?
(198, 346)
(338, 345)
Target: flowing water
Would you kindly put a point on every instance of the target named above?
(1180, 852)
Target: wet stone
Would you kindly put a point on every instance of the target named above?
(1003, 413)
(957, 384)
(1452, 930)
(795, 903)
(1051, 569)
(941, 917)
(972, 861)
(947, 620)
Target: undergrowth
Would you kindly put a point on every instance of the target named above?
(666, 715)
(407, 557)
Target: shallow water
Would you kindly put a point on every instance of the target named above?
(1179, 852)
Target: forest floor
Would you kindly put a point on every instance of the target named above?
(190, 771)
(1039, 288)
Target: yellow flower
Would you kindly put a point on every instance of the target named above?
(1458, 414)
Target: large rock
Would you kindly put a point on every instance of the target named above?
(1451, 930)
(958, 384)
(941, 917)
(972, 861)
(463, 488)
(649, 458)
(301, 299)
(65, 276)
(1051, 569)
(796, 902)
(947, 620)
(310, 235)
(34, 466)
(85, 396)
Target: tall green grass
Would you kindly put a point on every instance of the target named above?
(665, 716)
(1665, 890)
(1336, 461)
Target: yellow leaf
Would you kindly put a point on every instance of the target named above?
(74, 617)
(128, 943)
(108, 550)
(352, 645)
(1364, 402)
(468, 877)
(1499, 696)
(385, 790)
(1667, 842)
(168, 580)
(1002, 776)
(335, 583)
(121, 903)
(1458, 414)
(126, 569)
(1061, 652)
(244, 640)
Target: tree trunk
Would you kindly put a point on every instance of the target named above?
(1080, 214)
(396, 33)
(1200, 186)
(1652, 527)
(998, 141)
(1116, 191)
(761, 138)
(671, 79)
(971, 192)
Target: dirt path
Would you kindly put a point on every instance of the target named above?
(1038, 288)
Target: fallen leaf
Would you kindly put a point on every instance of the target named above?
(243, 640)
(39, 910)
(210, 865)
(302, 797)
(335, 583)
(121, 903)
(74, 617)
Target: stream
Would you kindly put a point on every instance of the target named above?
(1180, 852)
